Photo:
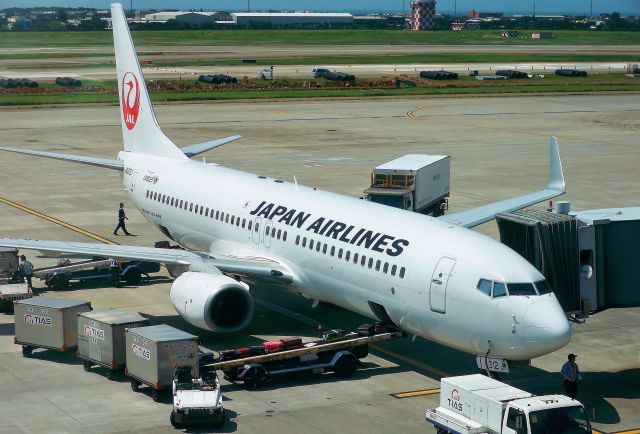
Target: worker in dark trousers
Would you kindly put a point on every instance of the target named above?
(121, 218)
(571, 374)
(115, 273)
(26, 269)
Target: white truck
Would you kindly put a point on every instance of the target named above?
(414, 182)
(196, 401)
(475, 404)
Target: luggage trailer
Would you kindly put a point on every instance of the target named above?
(317, 357)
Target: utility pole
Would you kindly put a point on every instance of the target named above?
(248, 5)
(591, 10)
(534, 9)
(455, 10)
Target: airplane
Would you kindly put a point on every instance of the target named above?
(431, 277)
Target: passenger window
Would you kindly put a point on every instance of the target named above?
(147, 196)
(238, 221)
(191, 207)
(340, 254)
(279, 233)
(311, 244)
(363, 260)
(284, 236)
(378, 262)
(355, 258)
(233, 219)
(171, 201)
(393, 270)
(385, 268)
(370, 262)
(257, 227)
(201, 209)
(318, 247)
(181, 204)
(485, 286)
(154, 195)
(226, 218)
(346, 257)
(244, 222)
(333, 250)
(499, 289)
(196, 209)
(249, 225)
(402, 273)
(324, 249)
(543, 287)
(206, 212)
(304, 242)
(273, 232)
(297, 239)
(217, 215)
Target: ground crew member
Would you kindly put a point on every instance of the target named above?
(26, 268)
(571, 374)
(121, 218)
(115, 272)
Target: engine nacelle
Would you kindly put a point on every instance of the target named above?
(212, 301)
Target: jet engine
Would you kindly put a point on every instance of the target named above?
(212, 301)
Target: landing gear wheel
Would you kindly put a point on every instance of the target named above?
(172, 419)
(345, 367)
(111, 375)
(87, 366)
(155, 395)
(27, 351)
(133, 277)
(135, 386)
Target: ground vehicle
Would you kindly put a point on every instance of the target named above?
(320, 72)
(472, 404)
(332, 75)
(317, 357)
(196, 400)
(414, 182)
(266, 73)
(59, 276)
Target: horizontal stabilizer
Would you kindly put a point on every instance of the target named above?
(193, 150)
(555, 187)
(100, 162)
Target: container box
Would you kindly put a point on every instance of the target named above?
(48, 322)
(154, 352)
(101, 336)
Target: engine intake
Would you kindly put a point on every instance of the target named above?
(212, 301)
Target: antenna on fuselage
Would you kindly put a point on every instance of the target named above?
(295, 181)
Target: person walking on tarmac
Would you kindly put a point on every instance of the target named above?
(571, 374)
(121, 218)
(26, 269)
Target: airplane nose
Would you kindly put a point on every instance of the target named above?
(546, 328)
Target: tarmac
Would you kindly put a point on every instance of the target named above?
(499, 148)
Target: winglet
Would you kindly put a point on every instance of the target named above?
(556, 174)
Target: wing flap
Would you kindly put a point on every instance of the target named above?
(555, 187)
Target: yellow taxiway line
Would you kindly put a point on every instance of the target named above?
(415, 393)
(56, 221)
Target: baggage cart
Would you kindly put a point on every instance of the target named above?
(47, 322)
(12, 292)
(101, 338)
(153, 353)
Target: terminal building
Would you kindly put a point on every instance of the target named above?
(286, 18)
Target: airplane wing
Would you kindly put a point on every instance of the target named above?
(100, 162)
(555, 187)
(253, 268)
(193, 150)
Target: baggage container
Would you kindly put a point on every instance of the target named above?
(101, 338)
(153, 353)
(12, 292)
(47, 322)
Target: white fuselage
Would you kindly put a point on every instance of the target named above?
(403, 271)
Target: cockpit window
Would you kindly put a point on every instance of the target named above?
(485, 286)
(521, 289)
(543, 287)
(499, 290)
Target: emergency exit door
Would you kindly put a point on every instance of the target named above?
(439, 281)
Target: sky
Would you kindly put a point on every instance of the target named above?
(581, 7)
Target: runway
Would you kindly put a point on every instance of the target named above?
(498, 148)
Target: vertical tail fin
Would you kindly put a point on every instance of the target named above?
(140, 130)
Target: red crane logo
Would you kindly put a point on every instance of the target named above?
(130, 100)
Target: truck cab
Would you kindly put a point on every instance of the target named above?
(475, 404)
(196, 401)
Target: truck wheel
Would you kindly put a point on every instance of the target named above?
(172, 419)
(87, 366)
(60, 281)
(345, 367)
(27, 351)
(223, 418)
(133, 277)
(135, 386)
(155, 395)
(111, 375)
(253, 383)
